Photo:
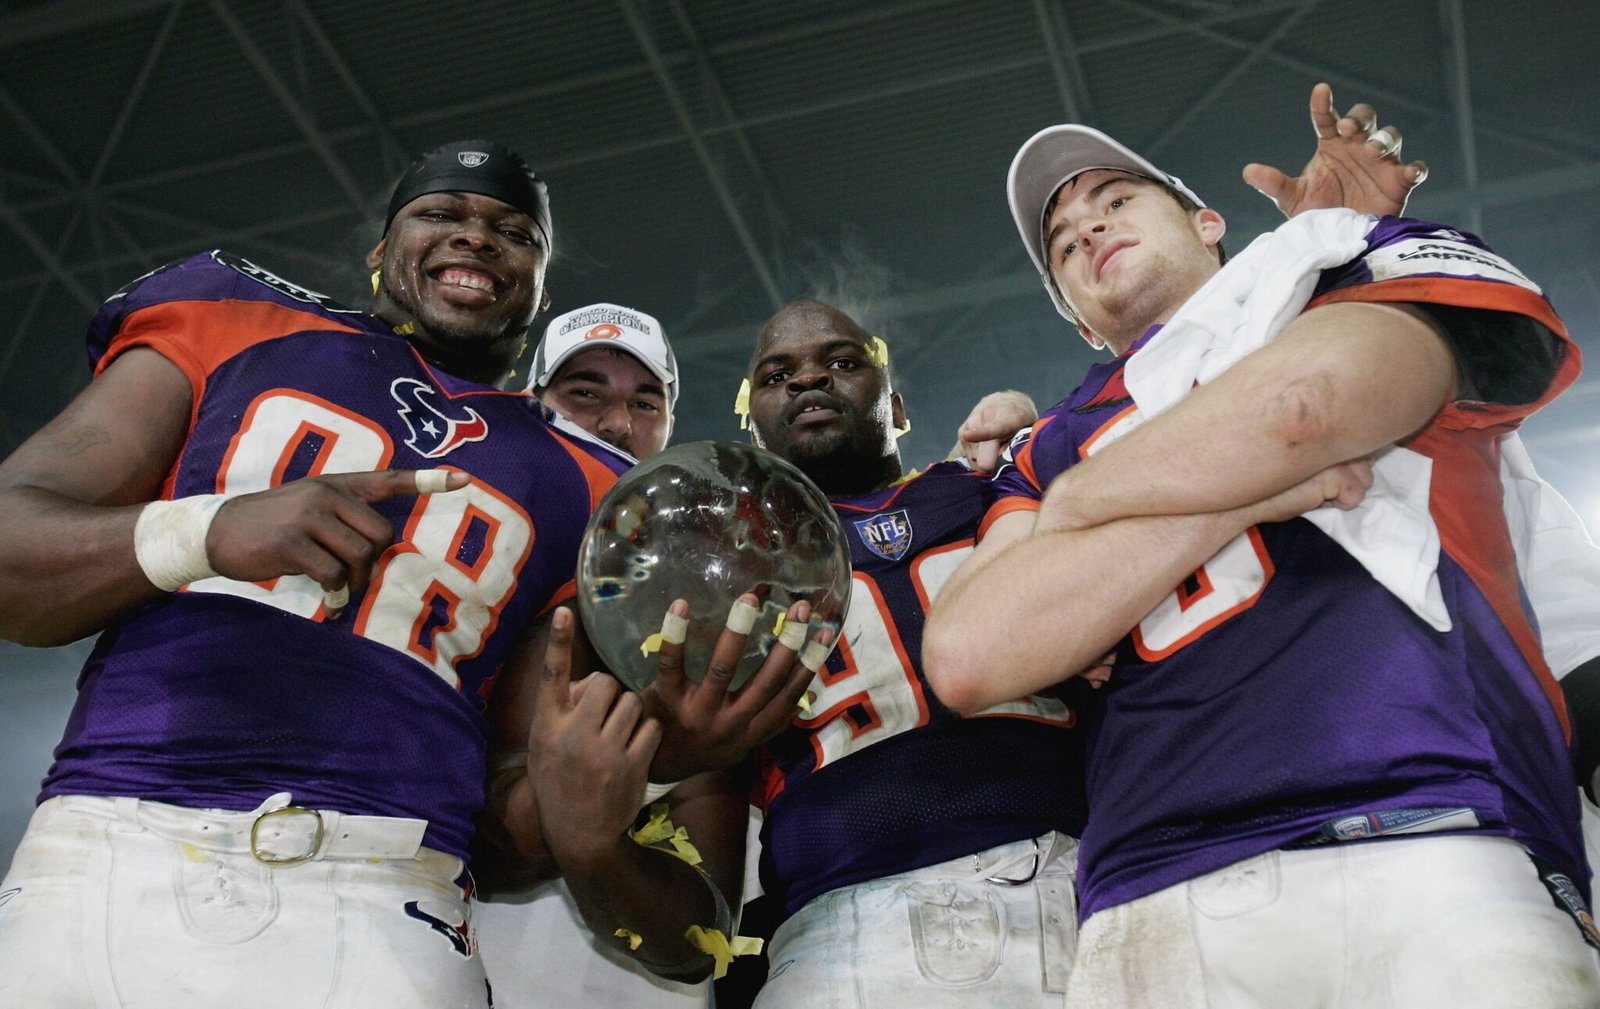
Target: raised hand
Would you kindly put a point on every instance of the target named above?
(589, 752)
(323, 527)
(1355, 165)
(705, 725)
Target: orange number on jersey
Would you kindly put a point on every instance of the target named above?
(877, 692)
(1229, 583)
(437, 592)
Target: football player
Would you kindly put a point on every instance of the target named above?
(1281, 710)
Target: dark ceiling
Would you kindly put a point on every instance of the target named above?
(711, 159)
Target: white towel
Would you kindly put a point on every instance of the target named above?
(1249, 302)
(1559, 563)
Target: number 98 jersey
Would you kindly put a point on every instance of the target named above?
(878, 777)
(227, 691)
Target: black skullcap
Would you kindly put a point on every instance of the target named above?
(475, 166)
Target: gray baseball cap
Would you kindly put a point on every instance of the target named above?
(1049, 160)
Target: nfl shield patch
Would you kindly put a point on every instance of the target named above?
(888, 535)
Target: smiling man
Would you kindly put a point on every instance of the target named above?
(278, 747)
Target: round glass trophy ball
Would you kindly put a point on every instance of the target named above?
(707, 522)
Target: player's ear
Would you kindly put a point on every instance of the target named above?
(544, 300)
(1084, 331)
(897, 412)
(375, 257)
(1210, 226)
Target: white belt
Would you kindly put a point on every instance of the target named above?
(275, 833)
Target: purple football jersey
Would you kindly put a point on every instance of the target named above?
(228, 691)
(878, 777)
(1281, 696)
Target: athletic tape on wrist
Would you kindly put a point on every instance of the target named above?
(169, 540)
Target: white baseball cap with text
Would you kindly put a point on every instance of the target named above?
(605, 325)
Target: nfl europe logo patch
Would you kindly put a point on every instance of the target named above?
(888, 535)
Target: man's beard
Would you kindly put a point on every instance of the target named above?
(459, 345)
(842, 463)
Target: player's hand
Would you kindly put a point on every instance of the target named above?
(1355, 165)
(323, 527)
(1342, 486)
(990, 426)
(706, 726)
(1099, 674)
(589, 752)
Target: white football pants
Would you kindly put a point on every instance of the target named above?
(1443, 922)
(101, 912)
(992, 929)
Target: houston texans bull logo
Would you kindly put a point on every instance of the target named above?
(432, 433)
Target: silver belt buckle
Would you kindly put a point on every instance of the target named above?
(277, 861)
(1013, 881)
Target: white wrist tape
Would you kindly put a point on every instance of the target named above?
(654, 791)
(169, 540)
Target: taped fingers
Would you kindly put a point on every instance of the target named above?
(742, 615)
(674, 628)
(668, 645)
(335, 600)
(793, 634)
(816, 652)
(433, 481)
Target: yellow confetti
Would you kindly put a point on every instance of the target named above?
(192, 853)
(741, 405)
(658, 830)
(635, 940)
(878, 351)
(777, 627)
(711, 941)
(651, 645)
(805, 702)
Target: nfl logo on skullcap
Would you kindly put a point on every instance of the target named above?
(471, 159)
